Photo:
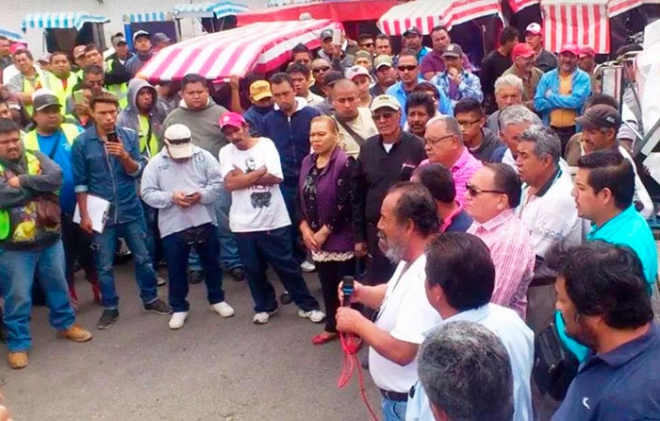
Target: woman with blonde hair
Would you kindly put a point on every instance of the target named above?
(325, 193)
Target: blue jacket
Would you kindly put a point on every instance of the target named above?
(397, 91)
(291, 138)
(101, 175)
(575, 101)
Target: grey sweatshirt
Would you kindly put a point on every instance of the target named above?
(202, 123)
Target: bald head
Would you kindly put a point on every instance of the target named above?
(345, 99)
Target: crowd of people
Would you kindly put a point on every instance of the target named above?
(448, 189)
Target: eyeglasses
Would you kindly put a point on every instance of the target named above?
(468, 123)
(320, 69)
(475, 191)
(406, 68)
(383, 116)
(434, 142)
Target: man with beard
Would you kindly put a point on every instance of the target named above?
(407, 223)
(355, 123)
(561, 94)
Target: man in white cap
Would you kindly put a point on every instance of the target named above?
(545, 60)
(361, 77)
(183, 182)
(143, 52)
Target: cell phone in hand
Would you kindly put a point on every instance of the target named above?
(79, 97)
(112, 137)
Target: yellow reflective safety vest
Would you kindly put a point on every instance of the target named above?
(56, 86)
(29, 88)
(34, 168)
(119, 90)
(31, 142)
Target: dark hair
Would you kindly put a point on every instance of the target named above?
(92, 69)
(439, 28)
(506, 180)
(91, 47)
(601, 99)
(460, 263)
(279, 78)
(407, 52)
(23, 51)
(416, 204)
(191, 78)
(103, 98)
(384, 38)
(364, 36)
(8, 125)
(301, 48)
(58, 53)
(298, 68)
(508, 34)
(3, 38)
(468, 105)
(438, 180)
(420, 99)
(604, 279)
(427, 86)
(609, 169)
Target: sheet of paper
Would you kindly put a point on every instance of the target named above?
(98, 212)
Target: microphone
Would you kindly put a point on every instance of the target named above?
(347, 289)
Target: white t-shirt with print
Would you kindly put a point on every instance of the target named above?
(256, 208)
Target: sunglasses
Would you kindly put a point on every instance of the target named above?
(383, 116)
(475, 191)
(320, 69)
(406, 68)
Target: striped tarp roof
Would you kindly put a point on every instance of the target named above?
(13, 36)
(60, 20)
(146, 17)
(220, 9)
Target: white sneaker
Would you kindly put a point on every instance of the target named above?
(160, 281)
(223, 309)
(178, 319)
(316, 316)
(307, 267)
(263, 317)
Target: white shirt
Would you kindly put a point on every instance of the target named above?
(406, 314)
(517, 338)
(256, 208)
(551, 217)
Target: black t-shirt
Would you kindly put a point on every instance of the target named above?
(491, 68)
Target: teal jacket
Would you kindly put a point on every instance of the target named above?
(550, 82)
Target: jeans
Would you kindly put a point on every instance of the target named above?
(229, 256)
(135, 234)
(177, 248)
(77, 243)
(258, 250)
(289, 193)
(17, 273)
(152, 240)
(330, 274)
(393, 410)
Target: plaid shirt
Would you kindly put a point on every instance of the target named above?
(513, 255)
(470, 87)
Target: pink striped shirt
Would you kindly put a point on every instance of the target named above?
(462, 171)
(513, 255)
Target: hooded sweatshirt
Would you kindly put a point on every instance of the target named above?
(130, 117)
(202, 123)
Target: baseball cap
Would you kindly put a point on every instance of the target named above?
(385, 101)
(231, 119)
(45, 100)
(598, 116)
(141, 33)
(325, 34)
(260, 89)
(453, 50)
(522, 49)
(570, 48)
(17, 46)
(78, 51)
(533, 28)
(178, 139)
(331, 77)
(383, 60)
(44, 58)
(413, 30)
(160, 37)
(587, 51)
(364, 54)
(118, 40)
(355, 71)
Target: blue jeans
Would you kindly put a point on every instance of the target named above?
(393, 410)
(229, 256)
(262, 248)
(136, 236)
(17, 273)
(177, 248)
(289, 193)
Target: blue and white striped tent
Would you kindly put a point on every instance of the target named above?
(11, 35)
(60, 20)
(208, 10)
(146, 17)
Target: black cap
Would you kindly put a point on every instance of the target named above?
(331, 77)
(413, 30)
(600, 116)
(41, 102)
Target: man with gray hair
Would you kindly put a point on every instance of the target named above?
(513, 121)
(466, 371)
(508, 91)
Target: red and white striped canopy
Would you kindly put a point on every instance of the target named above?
(581, 22)
(260, 47)
(518, 5)
(425, 14)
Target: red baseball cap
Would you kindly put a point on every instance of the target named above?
(231, 119)
(570, 48)
(522, 49)
(17, 46)
(587, 51)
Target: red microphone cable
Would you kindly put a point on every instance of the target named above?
(350, 363)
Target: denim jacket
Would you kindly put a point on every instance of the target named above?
(470, 87)
(548, 98)
(101, 175)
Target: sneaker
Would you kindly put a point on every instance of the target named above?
(160, 281)
(195, 276)
(237, 274)
(17, 360)
(223, 309)
(307, 267)
(76, 333)
(158, 306)
(178, 319)
(107, 318)
(285, 298)
(316, 316)
(263, 317)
